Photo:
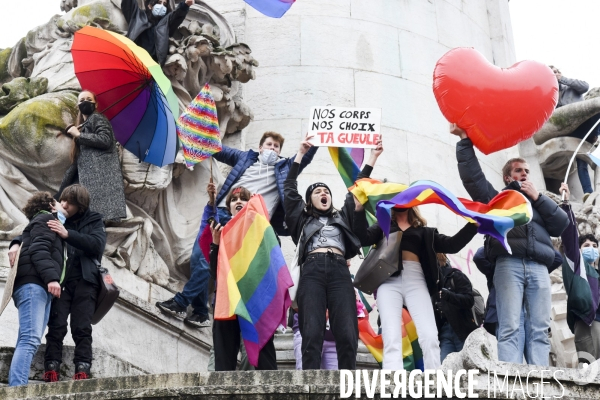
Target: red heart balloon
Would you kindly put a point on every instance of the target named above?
(497, 107)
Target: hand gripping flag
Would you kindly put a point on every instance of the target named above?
(505, 211)
(252, 277)
(198, 129)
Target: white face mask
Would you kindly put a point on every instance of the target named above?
(159, 10)
(269, 157)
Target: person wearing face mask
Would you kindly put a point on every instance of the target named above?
(583, 313)
(325, 241)
(261, 172)
(84, 237)
(152, 27)
(95, 160)
(39, 273)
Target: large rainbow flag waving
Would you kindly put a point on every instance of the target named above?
(348, 162)
(412, 355)
(252, 276)
(505, 211)
(198, 129)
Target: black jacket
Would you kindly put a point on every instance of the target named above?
(302, 224)
(530, 241)
(152, 36)
(42, 255)
(456, 302)
(435, 242)
(87, 238)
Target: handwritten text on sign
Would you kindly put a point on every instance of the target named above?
(345, 127)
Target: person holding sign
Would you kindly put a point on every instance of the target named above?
(325, 241)
(40, 270)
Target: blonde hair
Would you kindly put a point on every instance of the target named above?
(415, 219)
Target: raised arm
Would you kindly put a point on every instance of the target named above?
(577, 85)
(293, 203)
(178, 16)
(454, 244)
(129, 8)
(228, 155)
(469, 169)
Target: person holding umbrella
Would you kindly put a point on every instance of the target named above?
(95, 160)
(152, 27)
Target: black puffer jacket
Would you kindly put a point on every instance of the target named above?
(530, 241)
(150, 35)
(42, 255)
(87, 239)
(455, 303)
(434, 242)
(300, 223)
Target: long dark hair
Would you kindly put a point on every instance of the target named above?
(78, 121)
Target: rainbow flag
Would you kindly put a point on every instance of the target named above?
(252, 277)
(348, 162)
(505, 211)
(411, 351)
(271, 8)
(198, 129)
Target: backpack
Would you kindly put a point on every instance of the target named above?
(478, 309)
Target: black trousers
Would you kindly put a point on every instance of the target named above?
(226, 343)
(325, 284)
(78, 298)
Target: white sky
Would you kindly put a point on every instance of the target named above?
(563, 33)
(559, 32)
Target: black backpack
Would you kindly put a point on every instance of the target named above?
(478, 309)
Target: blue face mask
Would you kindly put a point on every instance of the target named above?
(159, 10)
(590, 254)
(61, 217)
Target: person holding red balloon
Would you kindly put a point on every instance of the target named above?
(521, 279)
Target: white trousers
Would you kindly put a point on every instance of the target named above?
(409, 288)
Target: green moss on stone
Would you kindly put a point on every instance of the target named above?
(4, 56)
(560, 121)
(91, 11)
(37, 120)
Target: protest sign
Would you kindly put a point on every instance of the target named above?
(345, 126)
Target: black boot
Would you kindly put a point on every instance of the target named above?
(82, 371)
(52, 371)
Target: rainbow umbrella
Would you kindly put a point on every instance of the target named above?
(131, 91)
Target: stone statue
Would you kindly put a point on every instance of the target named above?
(38, 100)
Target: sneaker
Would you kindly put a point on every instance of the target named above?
(82, 371)
(197, 321)
(172, 308)
(585, 196)
(52, 371)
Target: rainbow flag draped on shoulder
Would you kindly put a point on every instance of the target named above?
(252, 277)
(505, 211)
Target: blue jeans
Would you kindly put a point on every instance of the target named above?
(584, 176)
(33, 303)
(195, 291)
(521, 335)
(449, 342)
(522, 283)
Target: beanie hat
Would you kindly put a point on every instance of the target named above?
(312, 187)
